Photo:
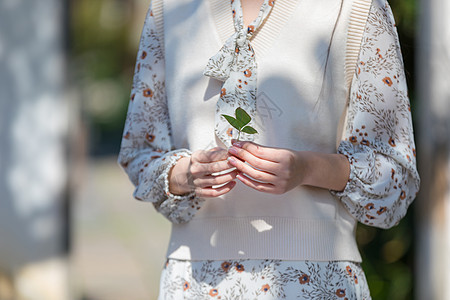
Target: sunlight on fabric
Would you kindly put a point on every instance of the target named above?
(261, 225)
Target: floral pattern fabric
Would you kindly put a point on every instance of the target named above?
(262, 279)
(378, 139)
(235, 64)
(146, 152)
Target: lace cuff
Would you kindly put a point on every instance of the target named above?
(154, 187)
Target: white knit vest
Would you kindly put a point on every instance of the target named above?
(298, 110)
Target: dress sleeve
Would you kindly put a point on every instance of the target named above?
(146, 152)
(378, 136)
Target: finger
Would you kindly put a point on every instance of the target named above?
(214, 192)
(249, 170)
(209, 181)
(266, 153)
(254, 161)
(202, 169)
(259, 186)
(211, 155)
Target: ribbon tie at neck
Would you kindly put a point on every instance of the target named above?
(235, 65)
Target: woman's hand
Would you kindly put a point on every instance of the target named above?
(196, 174)
(274, 170)
(277, 170)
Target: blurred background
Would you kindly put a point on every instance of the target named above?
(69, 228)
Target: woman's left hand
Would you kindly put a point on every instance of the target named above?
(274, 170)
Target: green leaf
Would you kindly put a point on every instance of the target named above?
(233, 122)
(242, 116)
(249, 130)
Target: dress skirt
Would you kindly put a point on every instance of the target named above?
(262, 279)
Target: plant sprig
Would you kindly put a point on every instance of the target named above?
(240, 122)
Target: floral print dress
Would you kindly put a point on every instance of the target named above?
(377, 140)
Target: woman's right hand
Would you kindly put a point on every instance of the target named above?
(195, 173)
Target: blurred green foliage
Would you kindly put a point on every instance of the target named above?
(105, 35)
(103, 50)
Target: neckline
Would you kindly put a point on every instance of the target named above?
(266, 35)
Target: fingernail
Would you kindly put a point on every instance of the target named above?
(238, 144)
(232, 150)
(231, 160)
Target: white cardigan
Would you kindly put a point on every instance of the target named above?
(172, 113)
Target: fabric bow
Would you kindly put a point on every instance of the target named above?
(235, 65)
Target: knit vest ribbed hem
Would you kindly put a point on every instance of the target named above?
(255, 237)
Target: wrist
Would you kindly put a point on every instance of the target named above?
(305, 161)
(323, 170)
(178, 177)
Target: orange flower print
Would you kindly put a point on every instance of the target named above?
(265, 288)
(402, 195)
(387, 80)
(144, 54)
(149, 137)
(247, 73)
(271, 2)
(353, 139)
(250, 28)
(369, 206)
(186, 285)
(355, 278)
(349, 270)
(138, 67)
(370, 217)
(132, 97)
(414, 152)
(223, 92)
(303, 279)
(230, 132)
(340, 293)
(378, 53)
(365, 142)
(236, 50)
(239, 268)
(234, 13)
(226, 266)
(382, 210)
(213, 292)
(148, 93)
(127, 135)
(392, 142)
(392, 173)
